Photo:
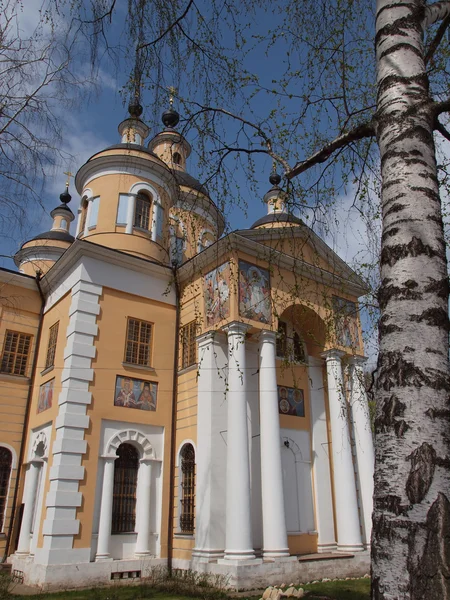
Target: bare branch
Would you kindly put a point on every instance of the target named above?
(361, 131)
(169, 29)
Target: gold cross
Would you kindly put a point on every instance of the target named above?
(69, 175)
(172, 91)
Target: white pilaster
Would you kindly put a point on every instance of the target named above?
(238, 537)
(130, 213)
(63, 499)
(31, 486)
(323, 500)
(155, 219)
(104, 528)
(347, 515)
(274, 520)
(210, 456)
(362, 434)
(144, 509)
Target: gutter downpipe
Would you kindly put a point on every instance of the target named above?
(173, 424)
(25, 419)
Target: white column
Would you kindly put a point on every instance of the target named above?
(88, 217)
(145, 478)
(323, 497)
(210, 494)
(78, 223)
(104, 528)
(346, 507)
(362, 433)
(32, 479)
(130, 213)
(274, 520)
(238, 536)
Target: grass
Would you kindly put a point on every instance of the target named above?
(357, 589)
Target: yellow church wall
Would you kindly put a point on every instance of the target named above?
(19, 311)
(115, 308)
(107, 233)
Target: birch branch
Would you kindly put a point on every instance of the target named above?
(437, 39)
(358, 133)
(435, 12)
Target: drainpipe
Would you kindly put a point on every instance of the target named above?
(173, 424)
(25, 419)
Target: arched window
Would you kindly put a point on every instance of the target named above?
(176, 158)
(126, 468)
(187, 503)
(5, 474)
(142, 212)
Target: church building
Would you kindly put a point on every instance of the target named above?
(172, 395)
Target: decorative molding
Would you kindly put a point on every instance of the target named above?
(131, 436)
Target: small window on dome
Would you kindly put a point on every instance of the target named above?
(176, 158)
(63, 224)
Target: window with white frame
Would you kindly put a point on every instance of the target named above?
(126, 468)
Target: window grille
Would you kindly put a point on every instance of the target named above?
(16, 350)
(51, 349)
(126, 468)
(5, 473)
(142, 212)
(187, 515)
(137, 349)
(188, 345)
(299, 351)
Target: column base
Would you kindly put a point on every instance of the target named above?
(350, 548)
(142, 554)
(326, 548)
(240, 562)
(239, 554)
(103, 558)
(282, 553)
(22, 554)
(207, 554)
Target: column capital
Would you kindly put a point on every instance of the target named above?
(268, 335)
(357, 361)
(206, 338)
(333, 354)
(236, 328)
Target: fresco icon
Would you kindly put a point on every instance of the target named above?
(345, 321)
(291, 401)
(135, 393)
(254, 292)
(45, 399)
(217, 294)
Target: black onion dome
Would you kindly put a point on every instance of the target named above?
(280, 217)
(65, 197)
(275, 178)
(170, 117)
(135, 109)
(62, 236)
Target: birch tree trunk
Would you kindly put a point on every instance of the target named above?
(411, 522)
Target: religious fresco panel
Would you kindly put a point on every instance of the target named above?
(45, 399)
(346, 321)
(217, 294)
(135, 393)
(254, 292)
(291, 401)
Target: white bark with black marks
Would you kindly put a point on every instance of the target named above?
(411, 533)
